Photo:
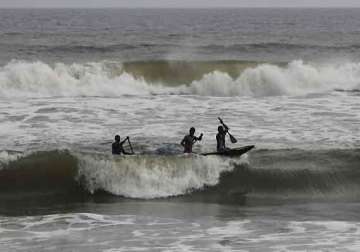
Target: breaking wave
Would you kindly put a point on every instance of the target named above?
(113, 79)
(289, 173)
(139, 176)
(150, 176)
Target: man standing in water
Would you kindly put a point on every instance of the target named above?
(189, 140)
(117, 146)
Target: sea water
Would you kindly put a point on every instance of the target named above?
(285, 80)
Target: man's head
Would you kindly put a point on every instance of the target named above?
(117, 138)
(192, 131)
(221, 129)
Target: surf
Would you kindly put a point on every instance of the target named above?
(137, 176)
(216, 79)
(292, 173)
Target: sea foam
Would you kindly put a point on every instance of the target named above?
(150, 176)
(38, 79)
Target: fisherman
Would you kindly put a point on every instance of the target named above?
(117, 146)
(189, 140)
(220, 138)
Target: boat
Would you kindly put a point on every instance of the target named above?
(234, 152)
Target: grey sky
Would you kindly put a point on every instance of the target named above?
(179, 3)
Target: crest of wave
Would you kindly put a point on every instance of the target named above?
(297, 78)
(29, 79)
(38, 79)
(149, 176)
(7, 157)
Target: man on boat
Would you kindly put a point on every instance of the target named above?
(189, 140)
(117, 146)
(220, 139)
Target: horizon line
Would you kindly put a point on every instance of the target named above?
(175, 7)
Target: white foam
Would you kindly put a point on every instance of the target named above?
(232, 228)
(38, 79)
(6, 157)
(84, 231)
(297, 78)
(48, 227)
(150, 176)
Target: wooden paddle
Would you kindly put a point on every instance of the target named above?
(232, 138)
(131, 148)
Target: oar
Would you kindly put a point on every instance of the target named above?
(131, 148)
(232, 138)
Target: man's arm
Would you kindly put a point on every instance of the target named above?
(183, 142)
(225, 126)
(123, 141)
(198, 138)
(122, 148)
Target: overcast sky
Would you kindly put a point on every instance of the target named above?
(179, 3)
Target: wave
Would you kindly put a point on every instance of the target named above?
(289, 173)
(7, 156)
(40, 172)
(139, 176)
(150, 176)
(113, 79)
(295, 173)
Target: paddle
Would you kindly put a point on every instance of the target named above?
(232, 138)
(128, 139)
(131, 148)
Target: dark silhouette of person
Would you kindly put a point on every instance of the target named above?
(189, 140)
(117, 146)
(220, 139)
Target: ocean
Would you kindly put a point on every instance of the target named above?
(284, 80)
